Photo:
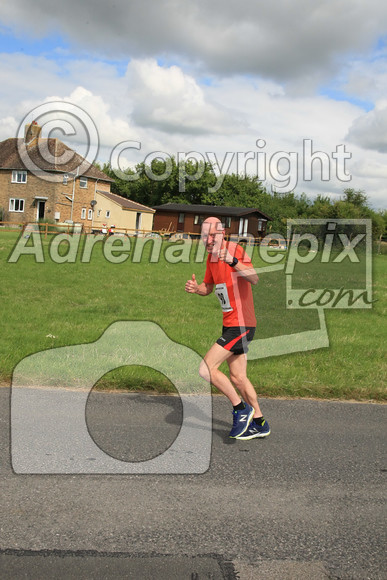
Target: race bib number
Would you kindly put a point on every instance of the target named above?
(222, 295)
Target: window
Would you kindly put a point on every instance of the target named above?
(65, 179)
(198, 220)
(260, 225)
(16, 205)
(19, 176)
(181, 218)
(83, 213)
(83, 182)
(227, 222)
(108, 213)
(98, 213)
(90, 214)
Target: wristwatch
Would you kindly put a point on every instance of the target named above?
(234, 262)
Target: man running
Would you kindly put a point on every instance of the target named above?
(231, 271)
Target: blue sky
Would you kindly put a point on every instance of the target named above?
(209, 78)
(10, 43)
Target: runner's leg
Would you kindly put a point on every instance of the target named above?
(209, 371)
(237, 364)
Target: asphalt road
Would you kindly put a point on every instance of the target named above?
(308, 502)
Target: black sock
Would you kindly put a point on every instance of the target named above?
(240, 407)
(259, 420)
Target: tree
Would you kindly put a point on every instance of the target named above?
(166, 181)
(321, 207)
(357, 198)
(383, 215)
(191, 182)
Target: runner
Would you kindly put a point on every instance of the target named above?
(234, 292)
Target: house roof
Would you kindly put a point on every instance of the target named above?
(211, 210)
(126, 203)
(49, 155)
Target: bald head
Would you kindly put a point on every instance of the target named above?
(212, 234)
(212, 220)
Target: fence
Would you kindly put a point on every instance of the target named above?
(47, 229)
(50, 229)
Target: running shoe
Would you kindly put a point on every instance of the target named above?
(254, 431)
(241, 420)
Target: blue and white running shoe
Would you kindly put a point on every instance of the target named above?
(241, 420)
(254, 431)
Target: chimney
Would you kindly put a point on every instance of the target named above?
(32, 131)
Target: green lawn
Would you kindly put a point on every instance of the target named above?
(76, 302)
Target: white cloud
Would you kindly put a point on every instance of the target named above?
(287, 49)
(280, 40)
(27, 81)
(168, 100)
(370, 130)
(371, 169)
(110, 128)
(193, 118)
(8, 127)
(367, 79)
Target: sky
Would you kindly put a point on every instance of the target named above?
(291, 91)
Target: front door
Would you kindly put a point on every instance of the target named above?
(180, 222)
(243, 225)
(138, 221)
(41, 204)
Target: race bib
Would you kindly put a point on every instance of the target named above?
(222, 295)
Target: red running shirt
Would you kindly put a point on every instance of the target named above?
(233, 291)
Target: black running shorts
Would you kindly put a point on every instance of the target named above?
(236, 338)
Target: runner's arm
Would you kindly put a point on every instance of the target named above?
(245, 268)
(202, 289)
(247, 271)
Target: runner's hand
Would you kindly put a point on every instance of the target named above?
(225, 256)
(191, 285)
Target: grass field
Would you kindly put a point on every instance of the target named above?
(48, 305)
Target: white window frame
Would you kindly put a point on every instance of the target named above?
(108, 213)
(12, 204)
(65, 179)
(83, 182)
(83, 213)
(199, 219)
(19, 176)
(90, 214)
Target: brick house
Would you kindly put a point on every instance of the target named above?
(45, 179)
(238, 221)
